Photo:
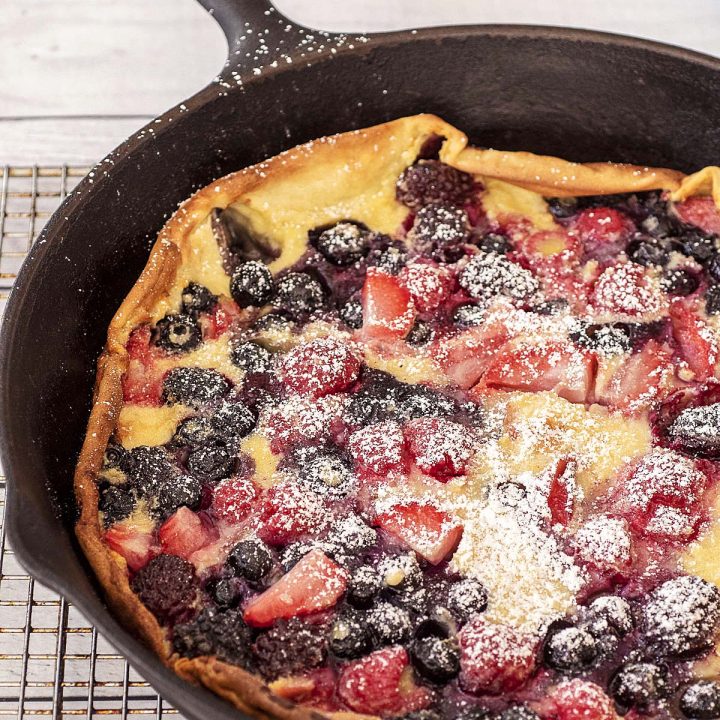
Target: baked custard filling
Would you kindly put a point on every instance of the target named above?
(422, 431)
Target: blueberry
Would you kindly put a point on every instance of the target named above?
(391, 258)
(518, 712)
(211, 462)
(179, 491)
(400, 573)
(701, 700)
(178, 333)
(352, 534)
(116, 456)
(251, 559)
(226, 592)
(194, 386)
(647, 252)
(436, 658)
(679, 282)
(197, 299)
(431, 181)
(488, 274)
(232, 420)
(251, 357)
(193, 431)
(712, 268)
(421, 333)
(151, 467)
(609, 339)
(349, 637)
(608, 614)
(467, 598)
(698, 245)
(712, 300)
(290, 648)
(697, 431)
(563, 207)
(440, 226)
(116, 502)
(343, 243)
(681, 617)
(389, 625)
(351, 314)
(552, 306)
(329, 474)
(167, 586)
(637, 685)
(415, 401)
(251, 284)
(569, 649)
(494, 242)
(294, 553)
(468, 315)
(237, 239)
(299, 294)
(364, 586)
(273, 322)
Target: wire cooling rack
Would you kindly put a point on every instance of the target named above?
(52, 661)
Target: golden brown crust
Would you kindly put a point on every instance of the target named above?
(399, 140)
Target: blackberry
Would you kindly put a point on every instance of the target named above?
(468, 315)
(180, 491)
(389, 625)
(167, 586)
(215, 632)
(116, 456)
(436, 658)
(680, 282)
(421, 333)
(712, 268)
(494, 242)
(562, 208)
(289, 648)
(226, 592)
(328, 474)
(197, 299)
(681, 617)
(116, 502)
(701, 700)
(351, 314)
(178, 333)
(349, 637)
(251, 559)
(151, 467)
(251, 357)
(392, 258)
(352, 534)
(400, 573)
(608, 614)
(518, 712)
(696, 430)
(637, 685)
(698, 245)
(299, 294)
(193, 431)
(251, 284)
(211, 462)
(490, 274)
(342, 244)
(194, 387)
(552, 306)
(364, 586)
(608, 339)
(415, 401)
(647, 252)
(377, 399)
(440, 226)
(294, 553)
(232, 420)
(712, 300)
(432, 181)
(467, 598)
(569, 649)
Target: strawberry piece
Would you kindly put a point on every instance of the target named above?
(316, 689)
(382, 684)
(136, 545)
(378, 449)
(430, 532)
(695, 340)
(302, 420)
(320, 367)
(142, 383)
(494, 658)
(627, 290)
(639, 379)
(429, 286)
(561, 496)
(223, 316)
(315, 583)
(580, 700)
(185, 532)
(441, 448)
(233, 499)
(388, 310)
(700, 211)
(289, 513)
(554, 366)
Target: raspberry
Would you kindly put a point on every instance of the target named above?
(431, 181)
(233, 499)
(440, 447)
(581, 700)
(378, 448)
(167, 586)
(428, 285)
(290, 648)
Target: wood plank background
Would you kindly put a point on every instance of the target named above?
(78, 76)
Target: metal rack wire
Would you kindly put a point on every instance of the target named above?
(52, 661)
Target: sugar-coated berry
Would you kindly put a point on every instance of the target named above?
(436, 658)
(637, 685)
(349, 637)
(701, 700)
(421, 333)
(468, 315)
(432, 181)
(569, 649)
(211, 462)
(226, 592)
(178, 333)
(194, 386)
(343, 243)
(179, 491)
(232, 420)
(351, 314)
(389, 624)
(494, 242)
(251, 357)
(680, 282)
(364, 586)
(518, 712)
(116, 502)
(467, 598)
(197, 299)
(251, 284)
(251, 559)
(151, 467)
(290, 648)
(167, 585)
(327, 473)
(400, 573)
(647, 252)
(712, 300)
(299, 294)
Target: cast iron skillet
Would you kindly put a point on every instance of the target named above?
(585, 96)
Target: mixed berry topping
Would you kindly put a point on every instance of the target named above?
(467, 469)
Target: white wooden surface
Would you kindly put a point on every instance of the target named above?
(124, 61)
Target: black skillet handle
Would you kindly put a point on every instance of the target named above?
(257, 35)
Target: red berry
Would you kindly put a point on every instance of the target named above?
(185, 532)
(602, 228)
(302, 420)
(382, 684)
(388, 310)
(315, 583)
(378, 449)
(627, 290)
(428, 285)
(695, 340)
(495, 658)
(223, 316)
(137, 546)
(440, 447)
(320, 367)
(580, 700)
(700, 211)
(142, 382)
(430, 532)
(233, 499)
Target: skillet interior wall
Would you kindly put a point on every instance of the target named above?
(582, 100)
